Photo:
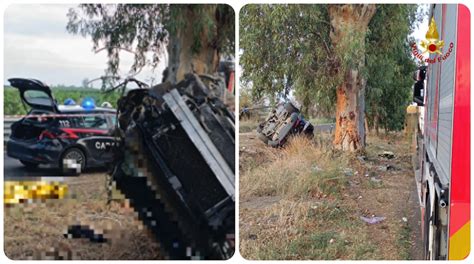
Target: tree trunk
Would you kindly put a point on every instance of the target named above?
(182, 59)
(348, 31)
(376, 125)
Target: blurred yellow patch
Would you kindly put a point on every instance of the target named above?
(23, 191)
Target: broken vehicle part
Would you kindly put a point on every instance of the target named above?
(176, 166)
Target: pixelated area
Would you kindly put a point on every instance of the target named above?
(18, 192)
(39, 229)
(176, 169)
(73, 165)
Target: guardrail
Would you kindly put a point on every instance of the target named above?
(329, 127)
(7, 123)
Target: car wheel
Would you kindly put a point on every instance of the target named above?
(29, 165)
(73, 162)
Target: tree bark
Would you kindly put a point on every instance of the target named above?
(182, 59)
(348, 28)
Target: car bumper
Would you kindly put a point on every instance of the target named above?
(42, 152)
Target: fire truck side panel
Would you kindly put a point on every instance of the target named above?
(447, 121)
(459, 213)
(440, 89)
(447, 82)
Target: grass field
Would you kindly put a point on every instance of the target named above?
(305, 201)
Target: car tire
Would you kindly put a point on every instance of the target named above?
(29, 165)
(75, 154)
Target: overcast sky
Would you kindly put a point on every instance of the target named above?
(38, 46)
(419, 33)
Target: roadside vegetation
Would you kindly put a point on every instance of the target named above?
(13, 105)
(306, 200)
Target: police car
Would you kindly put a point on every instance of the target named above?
(71, 137)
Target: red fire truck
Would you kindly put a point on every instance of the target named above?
(442, 174)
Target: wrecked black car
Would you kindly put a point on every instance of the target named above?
(176, 165)
(282, 122)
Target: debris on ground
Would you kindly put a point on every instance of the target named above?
(387, 155)
(348, 172)
(315, 168)
(84, 231)
(387, 168)
(391, 167)
(373, 179)
(372, 220)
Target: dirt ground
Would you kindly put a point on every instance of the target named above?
(36, 231)
(316, 213)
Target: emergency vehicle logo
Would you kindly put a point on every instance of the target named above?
(431, 45)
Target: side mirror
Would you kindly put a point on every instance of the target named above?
(419, 93)
(420, 74)
(419, 87)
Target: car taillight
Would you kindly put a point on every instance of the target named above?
(68, 134)
(46, 134)
(64, 134)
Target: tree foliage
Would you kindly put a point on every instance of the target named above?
(390, 65)
(141, 28)
(289, 47)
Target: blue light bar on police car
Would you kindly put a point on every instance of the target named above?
(88, 103)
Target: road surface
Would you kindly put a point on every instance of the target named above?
(14, 170)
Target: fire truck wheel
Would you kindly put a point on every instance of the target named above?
(426, 228)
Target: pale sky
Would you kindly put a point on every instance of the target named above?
(37, 45)
(420, 32)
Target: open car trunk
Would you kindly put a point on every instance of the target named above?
(30, 127)
(35, 94)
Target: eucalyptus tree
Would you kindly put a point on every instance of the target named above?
(325, 50)
(194, 36)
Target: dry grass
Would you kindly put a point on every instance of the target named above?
(248, 124)
(35, 231)
(300, 202)
(301, 170)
